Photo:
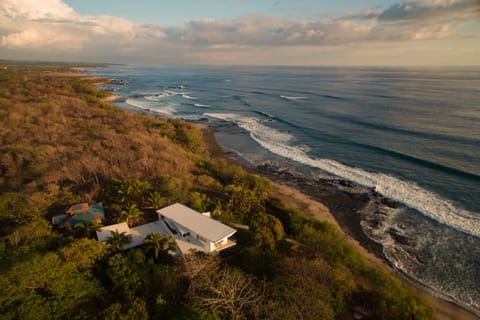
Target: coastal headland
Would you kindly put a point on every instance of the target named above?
(62, 144)
(330, 200)
(341, 210)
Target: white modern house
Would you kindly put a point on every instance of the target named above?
(191, 230)
(104, 233)
(135, 235)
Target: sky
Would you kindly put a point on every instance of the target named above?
(243, 32)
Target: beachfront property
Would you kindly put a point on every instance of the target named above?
(191, 230)
(135, 235)
(79, 213)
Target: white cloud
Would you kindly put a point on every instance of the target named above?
(433, 33)
(37, 27)
(32, 24)
(29, 10)
(35, 38)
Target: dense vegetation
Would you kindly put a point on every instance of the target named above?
(61, 144)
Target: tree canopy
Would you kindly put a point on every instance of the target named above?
(62, 144)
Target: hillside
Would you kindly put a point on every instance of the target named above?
(62, 144)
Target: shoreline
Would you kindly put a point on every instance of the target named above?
(330, 202)
(297, 197)
(339, 207)
(310, 205)
(111, 98)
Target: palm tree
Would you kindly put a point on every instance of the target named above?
(125, 192)
(87, 228)
(142, 191)
(133, 191)
(117, 240)
(158, 242)
(155, 200)
(131, 215)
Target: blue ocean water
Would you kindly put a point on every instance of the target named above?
(412, 133)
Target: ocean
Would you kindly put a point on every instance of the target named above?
(413, 134)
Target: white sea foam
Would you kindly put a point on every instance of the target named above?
(408, 193)
(137, 103)
(186, 96)
(256, 129)
(199, 105)
(158, 97)
(293, 98)
(143, 105)
(169, 93)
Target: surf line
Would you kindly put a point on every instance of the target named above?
(408, 193)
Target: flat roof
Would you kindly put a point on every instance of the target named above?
(139, 233)
(106, 232)
(206, 227)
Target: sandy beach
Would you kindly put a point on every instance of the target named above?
(111, 98)
(341, 215)
(329, 202)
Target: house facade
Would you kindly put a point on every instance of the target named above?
(191, 230)
(135, 235)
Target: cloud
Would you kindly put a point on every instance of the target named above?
(36, 28)
(34, 39)
(423, 9)
(53, 24)
(255, 30)
(34, 10)
(411, 20)
(430, 9)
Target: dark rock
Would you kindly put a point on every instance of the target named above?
(400, 238)
(118, 81)
(390, 203)
(346, 183)
(365, 197)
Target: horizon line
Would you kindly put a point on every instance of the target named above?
(99, 64)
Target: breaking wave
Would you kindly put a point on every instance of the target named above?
(169, 93)
(293, 98)
(408, 193)
(145, 106)
(158, 96)
(186, 96)
(199, 105)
